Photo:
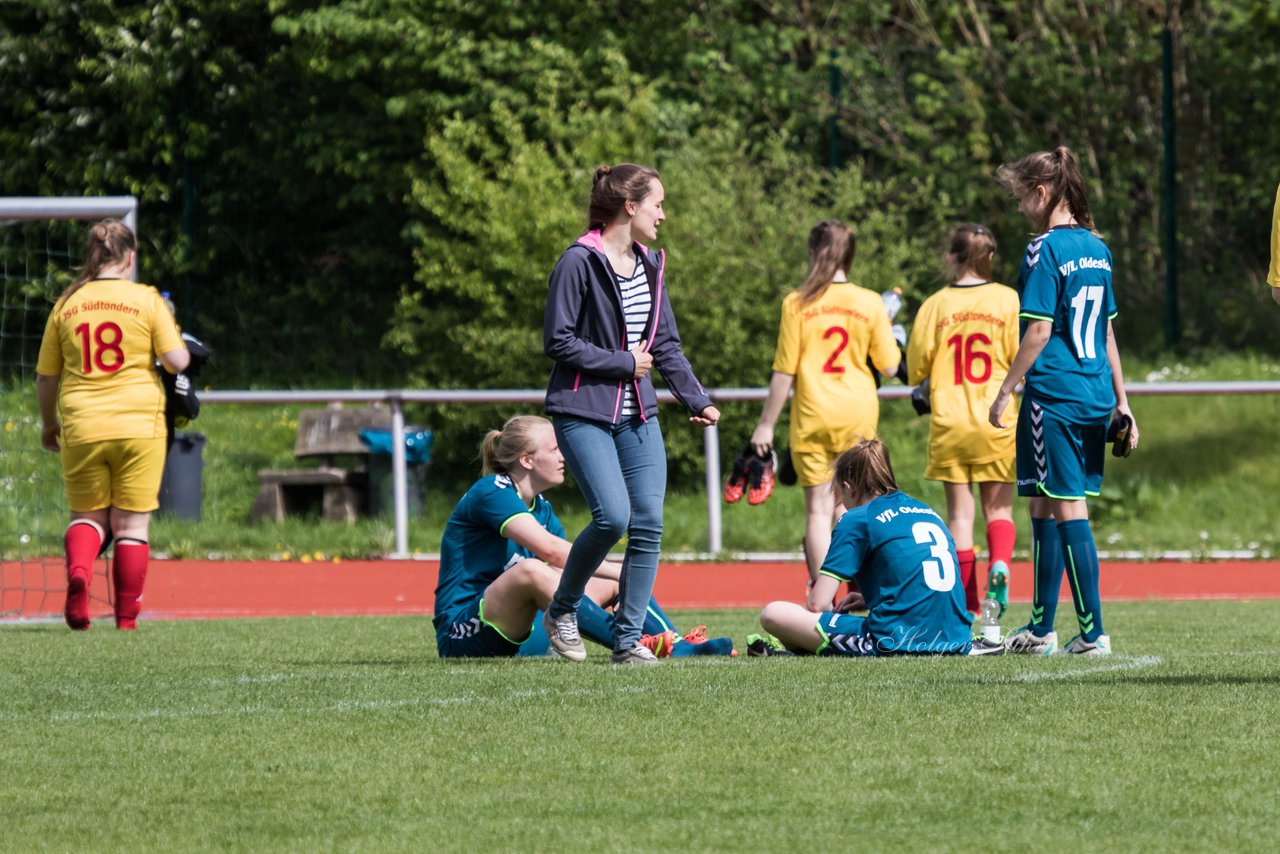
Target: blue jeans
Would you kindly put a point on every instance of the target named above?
(622, 472)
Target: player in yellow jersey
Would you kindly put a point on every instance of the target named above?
(1273, 272)
(963, 340)
(829, 328)
(102, 408)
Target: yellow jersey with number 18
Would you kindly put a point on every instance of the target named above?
(102, 341)
(824, 344)
(963, 341)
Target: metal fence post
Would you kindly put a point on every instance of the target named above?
(711, 447)
(399, 480)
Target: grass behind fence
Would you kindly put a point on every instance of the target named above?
(1206, 477)
(350, 734)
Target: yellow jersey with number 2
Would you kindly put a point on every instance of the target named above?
(102, 341)
(824, 344)
(963, 341)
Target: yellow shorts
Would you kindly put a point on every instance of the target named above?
(123, 473)
(996, 471)
(813, 468)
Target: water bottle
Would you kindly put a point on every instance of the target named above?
(990, 621)
(169, 302)
(892, 301)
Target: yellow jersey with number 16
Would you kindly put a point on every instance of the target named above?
(102, 341)
(963, 341)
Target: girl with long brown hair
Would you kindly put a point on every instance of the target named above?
(829, 328)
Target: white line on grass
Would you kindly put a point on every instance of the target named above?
(1129, 664)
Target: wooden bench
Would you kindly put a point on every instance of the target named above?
(340, 492)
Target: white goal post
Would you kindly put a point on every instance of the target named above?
(70, 207)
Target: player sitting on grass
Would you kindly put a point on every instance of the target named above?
(904, 560)
(501, 555)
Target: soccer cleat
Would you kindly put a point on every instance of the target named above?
(760, 478)
(562, 632)
(638, 654)
(982, 646)
(660, 644)
(698, 635)
(1023, 641)
(763, 646)
(998, 584)
(1079, 646)
(736, 486)
(76, 610)
(1118, 436)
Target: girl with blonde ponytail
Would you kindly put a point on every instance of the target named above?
(102, 409)
(502, 555)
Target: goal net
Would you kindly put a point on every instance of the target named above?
(40, 244)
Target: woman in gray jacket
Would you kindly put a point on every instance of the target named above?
(608, 322)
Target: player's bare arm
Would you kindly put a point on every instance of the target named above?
(1117, 383)
(779, 390)
(1033, 343)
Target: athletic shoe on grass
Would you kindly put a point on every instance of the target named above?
(660, 644)
(638, 654)
(1079, 646)
(763, 646)
(998, 584)
(1023, 641)
(982, 646)
(562, 631)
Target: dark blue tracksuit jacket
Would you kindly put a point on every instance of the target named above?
(585, 334)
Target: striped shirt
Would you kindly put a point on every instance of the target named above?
(636, 304)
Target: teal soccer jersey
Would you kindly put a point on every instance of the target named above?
(474, 550)
(904, 560)
(1066, 279)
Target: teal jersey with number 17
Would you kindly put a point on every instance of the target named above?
(1066, 279)
(904, 560)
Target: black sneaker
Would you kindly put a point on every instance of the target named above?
(763, 646)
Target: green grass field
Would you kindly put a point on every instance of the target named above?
(349, 734)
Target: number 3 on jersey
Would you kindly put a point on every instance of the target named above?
(939, 573)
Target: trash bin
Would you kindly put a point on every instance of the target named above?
(180, 485)
(417, 454)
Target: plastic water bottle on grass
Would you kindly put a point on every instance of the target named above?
(990, 621)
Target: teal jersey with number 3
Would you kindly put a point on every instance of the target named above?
(904, 559)
(1066, 279)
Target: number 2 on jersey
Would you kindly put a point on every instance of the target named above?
(939, 574)
(830, 366)
(108, 337)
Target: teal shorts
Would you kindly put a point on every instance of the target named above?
(1056, 458)
(470, 636)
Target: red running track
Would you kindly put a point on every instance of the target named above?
(179, 589)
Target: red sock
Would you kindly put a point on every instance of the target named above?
(1001, 535)
(130, 571)
(81, 543)
(968, 560)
